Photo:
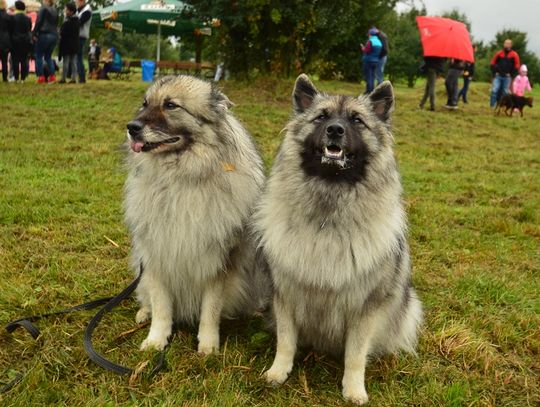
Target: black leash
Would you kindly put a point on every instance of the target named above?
(110, 303)
(87, 340)
(26, 322)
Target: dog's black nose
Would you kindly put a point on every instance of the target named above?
(134, 127)
(335, 130)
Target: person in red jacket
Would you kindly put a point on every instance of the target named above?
(504, 65)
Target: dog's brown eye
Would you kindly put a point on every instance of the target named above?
(145, 103)
(170, 105)
(357, 120)
(321, 117)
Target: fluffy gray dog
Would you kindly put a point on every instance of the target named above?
(194, 178)
(333, 230)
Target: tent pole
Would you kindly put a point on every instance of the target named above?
(158, 52)
(198, 53)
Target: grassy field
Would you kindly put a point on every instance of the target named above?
(472, 192)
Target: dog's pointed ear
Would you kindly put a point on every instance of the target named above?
(221, 100)
(304, 93)
(382, 100)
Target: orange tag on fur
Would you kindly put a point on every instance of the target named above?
(227, 167)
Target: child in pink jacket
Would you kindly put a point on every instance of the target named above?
(521, 82)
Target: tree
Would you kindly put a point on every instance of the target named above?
(283, 37)
(404, 43)
(256, 35)
(340, 28)
(455, 14)
(95, 4)
(133, 45)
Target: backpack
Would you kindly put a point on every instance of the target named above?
(384, 40)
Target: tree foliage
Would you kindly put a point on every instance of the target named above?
(457, 15)
(133, 45)
(282, 37)
(404, 44)
(95, 4)
(322, 37)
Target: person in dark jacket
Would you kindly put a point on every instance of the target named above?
(455, 70)
(46, 37)
(22, 41)
(383, 56)
(468, 74)
(433, 66)
(69, 43)
(504, 65)
(6, 30)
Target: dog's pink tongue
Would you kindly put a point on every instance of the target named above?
(137, 146)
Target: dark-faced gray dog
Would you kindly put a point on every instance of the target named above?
(333, 230)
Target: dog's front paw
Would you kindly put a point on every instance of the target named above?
(206, 350)
(208, 346)
(355, 394)
(275, 376)
(157, 343)
(208, 341)
(143, 315)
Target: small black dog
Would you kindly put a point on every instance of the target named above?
(511, 102)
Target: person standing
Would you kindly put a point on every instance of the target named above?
(94, 52)
(22, 41)
(84, 13)
(46, 37)
(370, 59)
(468, 74)
(521, 82)
(433, 66)
(6, 31)
(455, 70)
(504, 65)
(383, 56)
(69, 42)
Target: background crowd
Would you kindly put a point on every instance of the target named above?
(317, 50)
(22, 41)
(509, 76)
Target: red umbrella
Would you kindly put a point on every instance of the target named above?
(444, 37)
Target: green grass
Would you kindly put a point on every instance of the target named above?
(472, 192)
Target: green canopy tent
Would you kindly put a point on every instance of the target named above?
(161, 17)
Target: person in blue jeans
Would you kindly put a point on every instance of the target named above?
(468, 74)
(504, 65)
(370, 58)
(45, 36)
(500, 86)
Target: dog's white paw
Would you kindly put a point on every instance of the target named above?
(143, 315)
(208, 346)
(157, 343)
(355, 394)
(275, 376)
(205, 349)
